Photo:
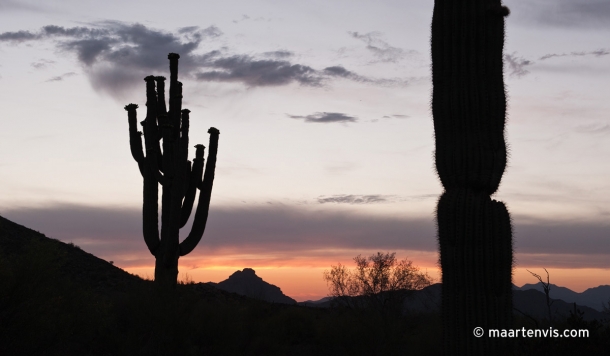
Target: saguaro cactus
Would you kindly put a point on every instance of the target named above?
(170, 168)
(474, 231)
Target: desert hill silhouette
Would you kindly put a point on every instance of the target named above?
(21, 246)
(247, 283)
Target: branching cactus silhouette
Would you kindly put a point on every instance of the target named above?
(474, 231)
(170, 168)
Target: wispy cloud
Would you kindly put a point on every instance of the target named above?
(517, 65)
(243, 18)
(597, 53)
(341, 72)
(248, 18)
(278, 54)
(594, 128)
(378, 47)
(325, 117)
(354, 199)
(396, 116)
(61, 77)
(42, 63)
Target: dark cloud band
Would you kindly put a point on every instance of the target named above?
(115, 231)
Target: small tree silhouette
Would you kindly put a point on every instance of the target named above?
(379, 281)
(606, 307)
(547, 290)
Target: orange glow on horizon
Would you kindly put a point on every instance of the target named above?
(300, 277)
(306, 283)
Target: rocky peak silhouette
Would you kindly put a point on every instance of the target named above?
(247, 283)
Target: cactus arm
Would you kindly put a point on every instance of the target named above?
(175, 93)
(179, 122)
(177, 113)
(161, 108)
(151, 132)
(184, 136)
(161, 114)
(194, 181)
(149, 210)
(187, 169)
(150, 217)
(201, 215)
(135, 137)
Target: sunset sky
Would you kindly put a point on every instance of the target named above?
(326, 136)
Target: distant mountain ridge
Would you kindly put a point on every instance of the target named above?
(527, 302)
(595, 297)
(248, 284)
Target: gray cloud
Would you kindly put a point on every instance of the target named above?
(114, 233)
(247, 18)
(116, 56)
(517, 64)
(243, 18)
(354, 199)
(279, 54)
(88, 50)
(325, 117)
(594, 129)
(52, 31)
(563, 237)
(341, 72)
(18, 37)
(396, 116)
(254, 72)
(10, 5)
(380, 49)
(42, 63)
(597, 53)
(61, 77)
(565, 13)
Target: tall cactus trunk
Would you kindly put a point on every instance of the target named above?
(170, 168)
(474, 231)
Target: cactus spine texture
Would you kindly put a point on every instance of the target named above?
(474, 231)
(170, 168)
